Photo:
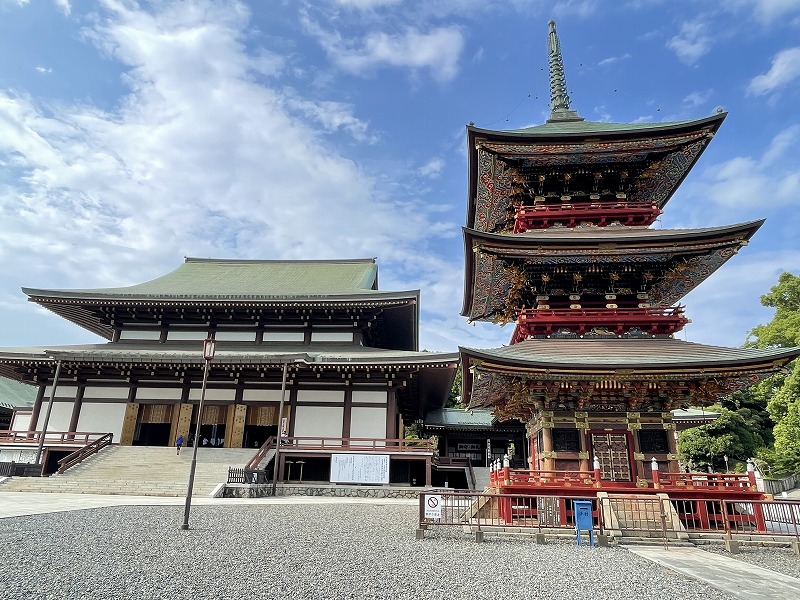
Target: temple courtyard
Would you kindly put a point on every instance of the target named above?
(69, 546)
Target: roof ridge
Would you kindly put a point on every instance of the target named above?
(192, 259)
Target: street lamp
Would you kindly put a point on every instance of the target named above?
(725, 458)
(209, 346)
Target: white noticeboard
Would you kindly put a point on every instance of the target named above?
(433, 506)
(359, 468)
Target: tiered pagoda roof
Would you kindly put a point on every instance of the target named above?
(558, 240)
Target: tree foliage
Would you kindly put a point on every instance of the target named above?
(454, 398)
(730, 435)
(783, 403)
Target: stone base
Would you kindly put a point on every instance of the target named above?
(796, 547)
(244, 490)
(732, 546)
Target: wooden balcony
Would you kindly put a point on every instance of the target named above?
(600, 214)
(652, 321)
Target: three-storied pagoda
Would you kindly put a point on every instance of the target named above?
(558, 241)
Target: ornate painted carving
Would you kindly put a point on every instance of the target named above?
(493, 192)
(490, 292)
(672, 169)
(684, 277)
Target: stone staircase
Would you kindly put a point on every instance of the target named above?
(640, 516)
(138, 471)
(481, 477)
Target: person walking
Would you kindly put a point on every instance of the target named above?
(179, 443)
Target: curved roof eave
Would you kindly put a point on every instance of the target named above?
(643, 355)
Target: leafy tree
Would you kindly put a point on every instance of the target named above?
(454, 398)
(784, 401)
(729, 435)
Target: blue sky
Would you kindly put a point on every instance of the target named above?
(133, 134)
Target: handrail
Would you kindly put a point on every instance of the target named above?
(71, 438)
(83, 453)
(538, 313)
(587, 206)
(457, 461)
(357, 444)
(260, 453)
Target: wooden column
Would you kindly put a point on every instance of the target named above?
(347, 412)
(129, 424)
(37, 409)
(391, 416)
(76, 409)
(234, 425)
(547, 449)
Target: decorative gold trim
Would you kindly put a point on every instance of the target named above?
(634, 416)
(641, 482)
(583, 455)
(547, 425)
(638, 456)
(581, 415)
(634, 426)
(672, 457)
(549, 454)
(669, 426)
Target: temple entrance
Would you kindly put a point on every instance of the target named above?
(153, 423)
(212, 427)
(612, 449)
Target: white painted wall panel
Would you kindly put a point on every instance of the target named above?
(263, 396)
(319, 421)
(62, 391)
(235, 336)
(368, 422)
(59, 416)
(332, 336)
(179, 335)
(106, 393)
(20, 421)
(140, 334)
(213, 394)
(145, 393)
(102, 418)
(284, 336)
(320, 395)
(371, 397)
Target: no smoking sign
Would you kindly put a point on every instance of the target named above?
(433, 507)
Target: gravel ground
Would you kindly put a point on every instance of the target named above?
(782, 560)
(304, 551)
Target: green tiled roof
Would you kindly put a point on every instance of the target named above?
(226, 353)
(683, 414)
(628, 353)
(16, 395)
(244, 279)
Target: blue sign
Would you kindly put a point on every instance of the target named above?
(583, 520)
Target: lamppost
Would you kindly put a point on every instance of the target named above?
(725, 458)
(209, 345)
(43, 433)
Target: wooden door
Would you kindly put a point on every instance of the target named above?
(612, 449)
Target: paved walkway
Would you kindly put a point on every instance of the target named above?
(735, 577)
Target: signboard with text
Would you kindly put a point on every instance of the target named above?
(360, 468)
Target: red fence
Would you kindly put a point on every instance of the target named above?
(71, 438)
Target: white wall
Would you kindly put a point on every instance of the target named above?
(320, 396)
(140, 334)
(106, 393)
(62, 391)
(212, 394)
(367, 422)
(102, 418)
(186, 335)
(59, 416)
(332, 336)
(321, 421)
(284, 336)
(370, 397)
(264, 396)
(235, 336)
(144, 393)
(20, 421)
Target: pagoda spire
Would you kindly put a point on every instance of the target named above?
(559, 99)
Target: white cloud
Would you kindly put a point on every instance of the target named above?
(744, 182)
(41, 69)
(612, 59)
(580, 8)
(785, 69)
(433, 168)
(437, 50)
(65, 6)
(367, 4)
(771, 10)
(14, 3)
(199, 158)
(692, 43)
(697, 98)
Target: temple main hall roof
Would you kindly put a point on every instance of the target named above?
(223, 279)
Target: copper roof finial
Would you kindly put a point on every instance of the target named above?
(559, 99)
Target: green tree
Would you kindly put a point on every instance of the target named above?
(784, 402)
(454, 398)
(729, 435)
